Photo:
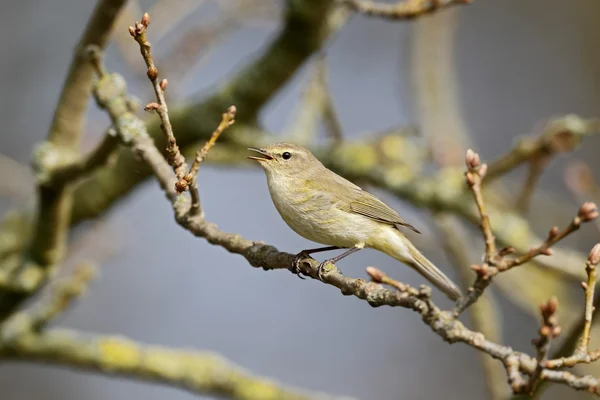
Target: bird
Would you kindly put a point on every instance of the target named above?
(326, 208)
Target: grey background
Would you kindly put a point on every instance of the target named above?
(519, 62)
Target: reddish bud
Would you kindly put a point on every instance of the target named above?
(546, 252)
(594, 256)
(545, 330)
(163, 84)
(584, 285)
(470, 179)
(152, 106)
(556, 331)
(181, 186)
(146, 20)
(552, 305)
(588, 211)
(472, 159)
(553, 232)
(376, 274)
(152, 73)
(132, 31)
(482, 170)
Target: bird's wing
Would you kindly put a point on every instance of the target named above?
(351, 198)
(370, 206)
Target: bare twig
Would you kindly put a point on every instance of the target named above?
(475, 173)
(380, 277)
(549, 330)
(174, 156)
(227, 119)
(582, 354)
(587, 212)
(408, 9)
(495, 261)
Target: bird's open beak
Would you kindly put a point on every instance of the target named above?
(262, 152)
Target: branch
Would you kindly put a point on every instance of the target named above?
(582, 354)
(495, 261)
(64, 136)
(174, 157)
(444, 323)
(305, 28)
(405, 10)
(560, 135)
(63, 292)
(198, 372)
(549, 330)
(54, 204)
(475, 173)
(484, 313)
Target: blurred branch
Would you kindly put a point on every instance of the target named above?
(408, 9)
(436, 87)
(63, 292)
(484, 313)
(560, 135)
(53, 217)
(64, 137)
(198, 372)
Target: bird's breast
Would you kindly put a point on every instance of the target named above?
(314, 215)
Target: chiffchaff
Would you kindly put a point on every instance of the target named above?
(325, 208)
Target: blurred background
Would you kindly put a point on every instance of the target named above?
(510, 65)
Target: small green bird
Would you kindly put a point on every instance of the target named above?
(323, 207)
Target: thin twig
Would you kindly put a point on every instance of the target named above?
(495, 261)
(474, 175)
(174, 156)
(590, 286)
(227, 119)
(587, 212)
(548, 331)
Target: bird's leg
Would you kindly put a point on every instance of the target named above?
(338, 258)
(307, 253)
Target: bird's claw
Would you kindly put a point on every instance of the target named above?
(296, 264)
(321, 269)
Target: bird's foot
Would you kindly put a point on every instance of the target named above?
(296, 263)
(321, 269)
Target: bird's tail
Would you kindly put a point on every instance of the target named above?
(407, 253)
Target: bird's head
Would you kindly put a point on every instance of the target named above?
(286, 160)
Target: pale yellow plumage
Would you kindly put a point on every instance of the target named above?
(328, 209)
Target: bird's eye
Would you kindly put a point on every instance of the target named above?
(286, 155)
